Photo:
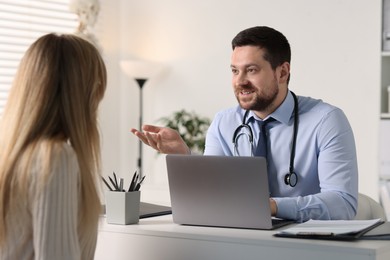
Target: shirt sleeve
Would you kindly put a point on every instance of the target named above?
(219, 134)
(213, 140)
(55, 211)
(337, 173)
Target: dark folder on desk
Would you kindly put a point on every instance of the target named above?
(220, 191)
(331, 229)
(381, 232)
(147, 210)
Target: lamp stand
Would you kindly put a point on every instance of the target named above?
(141, 82)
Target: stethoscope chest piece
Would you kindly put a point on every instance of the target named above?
(291, 179)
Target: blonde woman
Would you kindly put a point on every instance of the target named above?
(50, 153)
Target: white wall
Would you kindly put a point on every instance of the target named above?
(335, 56)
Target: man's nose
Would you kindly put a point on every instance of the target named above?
(242, 79)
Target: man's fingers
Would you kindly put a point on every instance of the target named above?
(140, 135)
(133, 130)
(151, 128)
(151, 138)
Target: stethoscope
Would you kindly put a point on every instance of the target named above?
(291, 178)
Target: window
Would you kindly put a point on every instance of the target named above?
(21, 23)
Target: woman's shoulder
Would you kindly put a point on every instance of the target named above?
(55, 155)
(64, 153)
(64, 149)
(55, 165)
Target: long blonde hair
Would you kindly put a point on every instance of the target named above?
(54, 98)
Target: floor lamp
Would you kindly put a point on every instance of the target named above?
(141, 72)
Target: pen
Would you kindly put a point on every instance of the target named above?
(315, 233)
(133, 182)
(106, 183)
(139, 184)
(121, 184)
(113, 183)
(116, 181)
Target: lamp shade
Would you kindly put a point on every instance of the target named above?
(139, 69)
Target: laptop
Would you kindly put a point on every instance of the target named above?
(220, 191)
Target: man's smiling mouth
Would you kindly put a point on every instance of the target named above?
(247, 92)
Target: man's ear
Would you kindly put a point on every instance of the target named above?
(284, 73)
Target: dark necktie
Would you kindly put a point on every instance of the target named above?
(261, 148)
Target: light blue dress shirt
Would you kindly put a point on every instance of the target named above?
(325, 159)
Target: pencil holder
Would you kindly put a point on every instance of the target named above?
(122, 207)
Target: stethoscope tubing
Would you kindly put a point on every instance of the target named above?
(291, 178)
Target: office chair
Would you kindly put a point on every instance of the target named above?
(369, 209)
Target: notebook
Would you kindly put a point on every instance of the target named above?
(220, 191)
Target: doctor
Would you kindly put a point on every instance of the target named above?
(310, 148)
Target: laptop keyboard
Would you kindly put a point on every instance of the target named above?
(277, 222)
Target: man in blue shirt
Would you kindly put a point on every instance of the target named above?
(325, 165)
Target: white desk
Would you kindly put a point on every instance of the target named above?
(160, 239)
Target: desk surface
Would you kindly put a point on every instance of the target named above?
(159, 238)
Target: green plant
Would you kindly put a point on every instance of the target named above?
(191, 127)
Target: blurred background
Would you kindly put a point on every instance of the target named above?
(336, 56)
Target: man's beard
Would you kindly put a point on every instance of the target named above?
(262, 103)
